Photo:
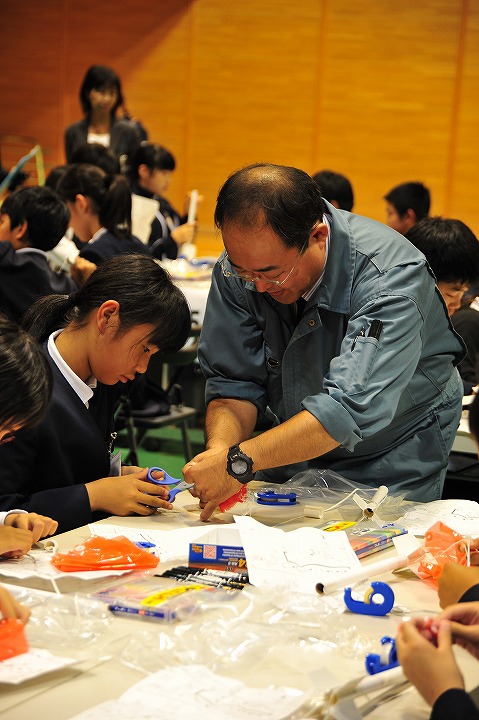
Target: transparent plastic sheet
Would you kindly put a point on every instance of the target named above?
(72, 625)
(256, 629)
(325, 489)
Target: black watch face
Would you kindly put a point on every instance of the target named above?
(239, 467)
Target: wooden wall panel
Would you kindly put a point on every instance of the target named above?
(380, 90)
(462, 201)
(254, 70)
(384, 115)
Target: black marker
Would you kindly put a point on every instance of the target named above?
(376, 329)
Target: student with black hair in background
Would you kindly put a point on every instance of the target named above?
(100, 212)
(150, 176)
(32, 221)
(98, 155)
(406, 204)
(67, 249)
(452, 251)
(335, 188)
(100, 97)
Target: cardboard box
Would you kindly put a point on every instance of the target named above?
(219, 550)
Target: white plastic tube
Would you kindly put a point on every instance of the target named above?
(193, 206)
(377, 568)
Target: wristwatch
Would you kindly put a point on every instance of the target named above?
(239, 465)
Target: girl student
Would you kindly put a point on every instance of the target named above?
(25, 387)
(95, 341)
(100, 212)
(150, 173)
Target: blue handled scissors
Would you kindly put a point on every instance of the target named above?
(176, 484)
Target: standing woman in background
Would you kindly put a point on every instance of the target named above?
(100, 98)
(100, 212)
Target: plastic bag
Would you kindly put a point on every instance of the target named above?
(74, 625)
(329, 488)
(12, 638)
(98, 553)
(442, 545)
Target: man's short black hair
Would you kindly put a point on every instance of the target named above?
(335, 187)
(410, 196)
(284, 198)
(450, 247)
(46, 215)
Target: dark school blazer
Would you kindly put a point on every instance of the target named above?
(26, 276)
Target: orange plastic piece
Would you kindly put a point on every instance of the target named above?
(240, 496)
(442, 545)
(98, 553)
(12, 638)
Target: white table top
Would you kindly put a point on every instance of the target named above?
(60, 695)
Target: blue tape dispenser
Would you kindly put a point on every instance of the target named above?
(386, 660)
(271, 497)
(378, 600)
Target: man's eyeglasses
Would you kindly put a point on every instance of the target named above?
(8, 437)
(256, 278)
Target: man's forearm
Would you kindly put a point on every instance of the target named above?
(229, 422)
(298, 439)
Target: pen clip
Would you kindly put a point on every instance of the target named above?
(361, 333)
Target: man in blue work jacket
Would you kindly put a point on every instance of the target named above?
(332, 323)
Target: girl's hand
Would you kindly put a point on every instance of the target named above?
(14, 542)
(39, 525)
(11, 608)
(130, 494)
(432, 670)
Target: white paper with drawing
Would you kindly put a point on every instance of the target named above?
(296, 559)
(460, 515)
(194, 691)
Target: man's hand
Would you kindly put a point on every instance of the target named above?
(39, 525)
(212, 484)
